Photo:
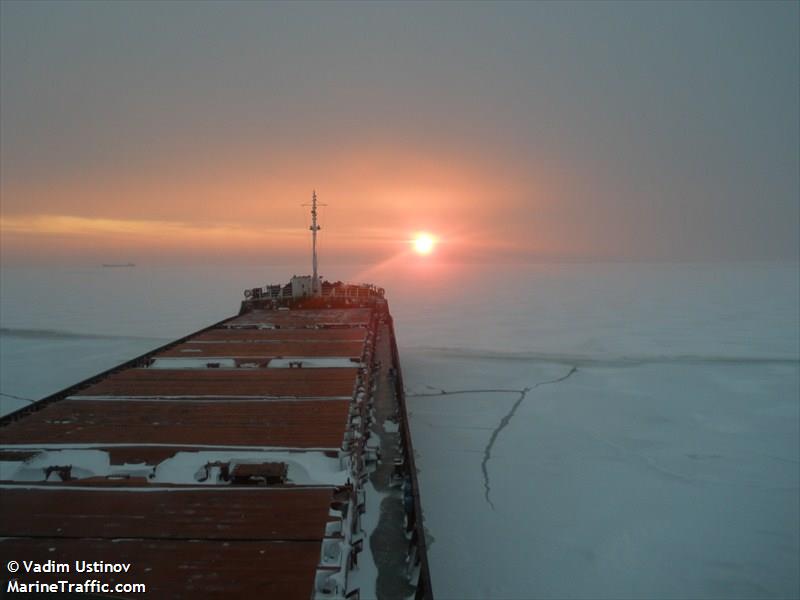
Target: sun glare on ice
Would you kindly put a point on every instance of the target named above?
(423, 243)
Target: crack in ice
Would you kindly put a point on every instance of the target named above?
(17, 397)
(487, 453)
(452, 392)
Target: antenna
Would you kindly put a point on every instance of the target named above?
(315, 284)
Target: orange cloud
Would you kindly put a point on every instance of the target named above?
(88, 226)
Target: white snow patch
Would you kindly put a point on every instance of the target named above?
(193, 363)
(304, 468)
(310, 362)
(8, 469)
(391, 426)
(84, 463)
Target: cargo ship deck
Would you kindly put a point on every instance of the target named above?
(265, 456)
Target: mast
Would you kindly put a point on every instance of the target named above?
(315, 287)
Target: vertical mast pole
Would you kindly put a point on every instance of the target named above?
(315, 287)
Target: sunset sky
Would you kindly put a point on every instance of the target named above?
(193, 132)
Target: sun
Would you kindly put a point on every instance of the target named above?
(423, 243)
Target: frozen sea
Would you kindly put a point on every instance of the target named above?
(621, 430)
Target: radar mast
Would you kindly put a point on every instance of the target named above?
(316, 289)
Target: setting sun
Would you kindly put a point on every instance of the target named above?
(423, 243)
